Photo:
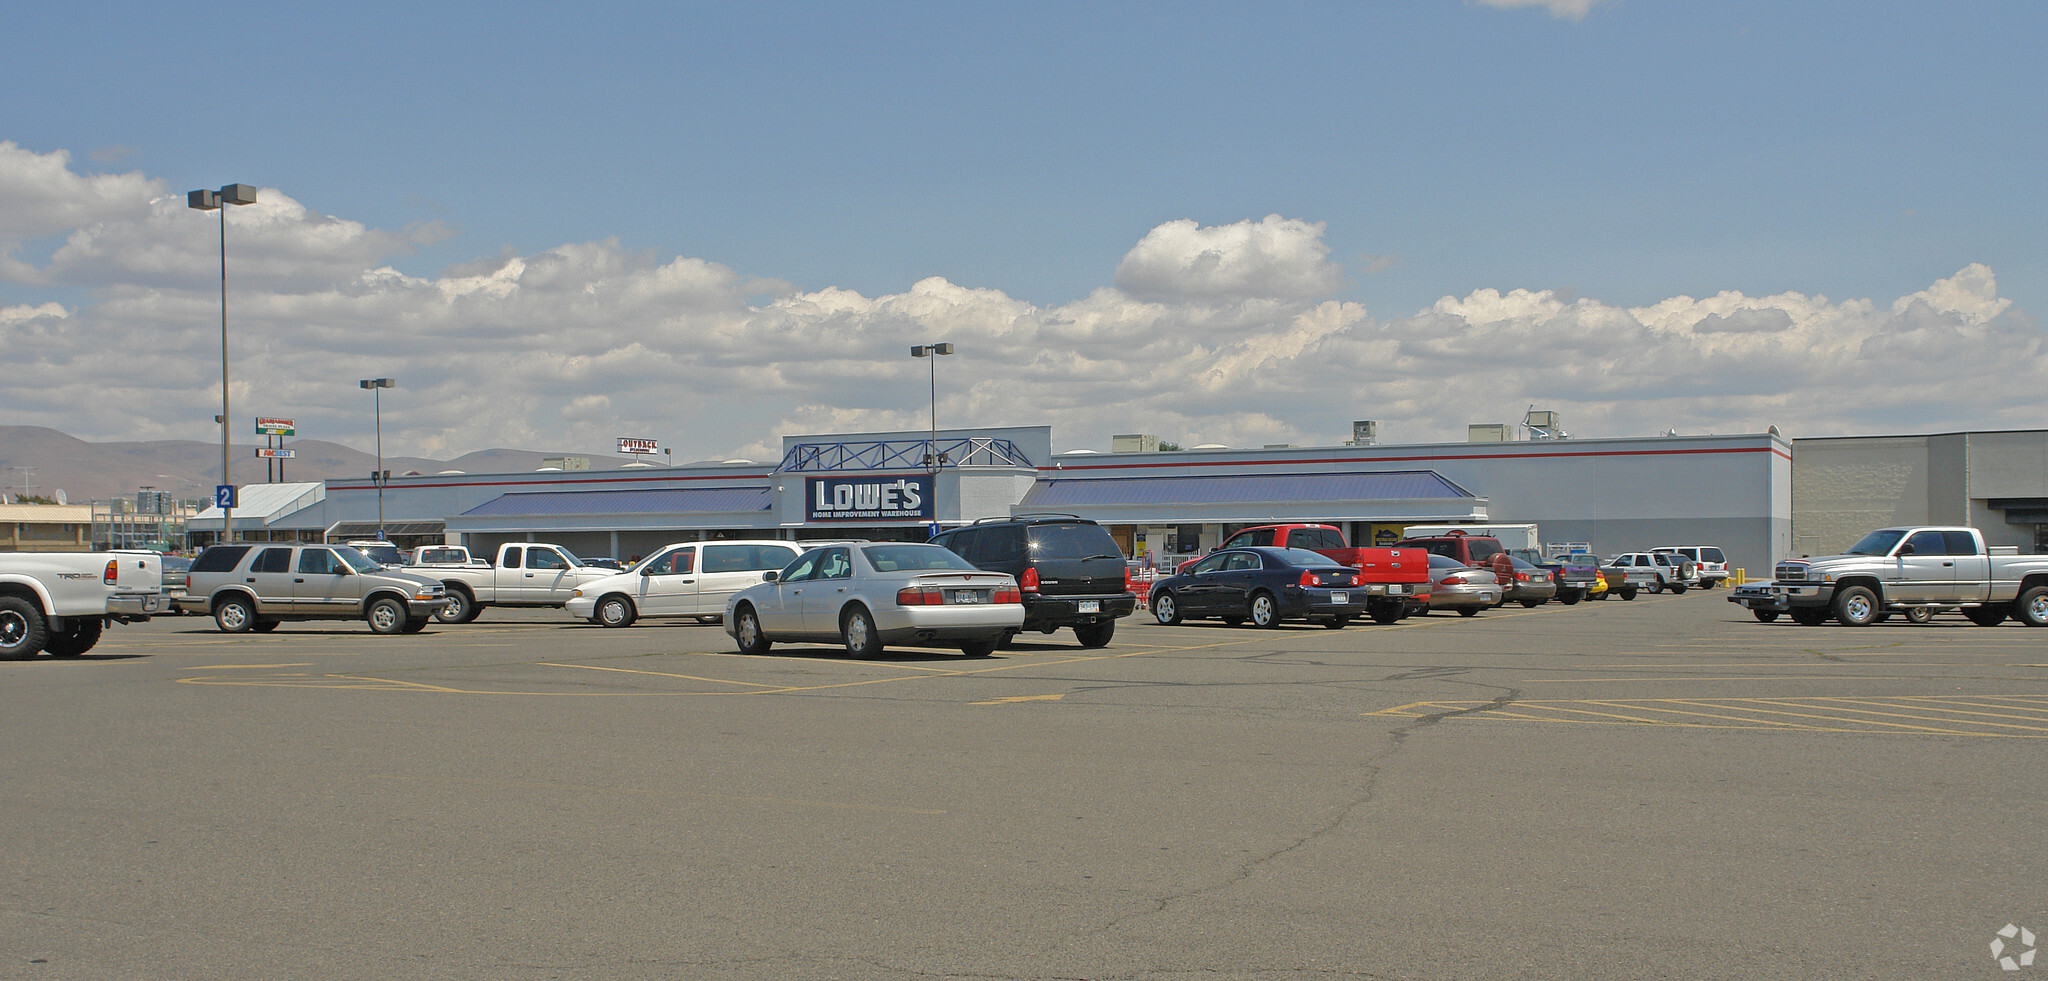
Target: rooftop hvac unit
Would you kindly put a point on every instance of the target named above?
(1365, 432)
(1491, 432)
(1543, 424)
(1134, 443)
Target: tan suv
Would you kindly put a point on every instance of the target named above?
(258, 586)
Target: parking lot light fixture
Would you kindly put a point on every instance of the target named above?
(376, 387)
(932, 353)
(205, 200)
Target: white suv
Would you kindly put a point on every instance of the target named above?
(1711, 564)
(1674, 572)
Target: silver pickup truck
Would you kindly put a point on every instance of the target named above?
(60, 601)
(1906, 569)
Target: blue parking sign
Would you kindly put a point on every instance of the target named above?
(224, 495)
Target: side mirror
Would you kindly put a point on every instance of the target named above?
(1905, 549)
(769, 576)
(648, 571)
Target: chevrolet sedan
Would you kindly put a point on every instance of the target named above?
(868, 596)
(1262, 585)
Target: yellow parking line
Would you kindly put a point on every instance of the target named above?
(1837, 718)
(1901, 715)
(658, 674)
(217, 667)
(1714, 715)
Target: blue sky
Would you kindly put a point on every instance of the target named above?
(1628, 151)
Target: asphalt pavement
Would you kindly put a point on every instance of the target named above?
(1662, 788)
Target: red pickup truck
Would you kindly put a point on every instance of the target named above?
(1395, 580)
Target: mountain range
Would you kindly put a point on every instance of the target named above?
(38, 461)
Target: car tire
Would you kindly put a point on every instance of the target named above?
(1263, 610)
(857, 630)
(1856, 606)
(1386, 613)
(1809, 616)
(75, 640)
(1706, 584)
(1531, 604)
(1337, 624)
(615, 611)
(978, 648)
(1232, 621)
(747, 630)
(416, 624)
(23, 632)
(1628, 594)
(1094, 635)
(385, 616)
(1571, 597)
(1166, 608)
(460, 608)
(234, 615)
(711, 620)
(265, 626)
(2031, 608)
(1919, 614)
(1765, 616)
(1678, 588)
(1988, 615)
(1468, 611)
(1657, 587)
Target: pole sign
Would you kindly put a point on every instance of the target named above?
(274, 453)
(274, 427)
(869, 498)
(628, 444)
(224, 495)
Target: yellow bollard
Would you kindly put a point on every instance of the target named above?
(1740, 577)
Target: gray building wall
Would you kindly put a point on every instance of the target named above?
(1845, 486)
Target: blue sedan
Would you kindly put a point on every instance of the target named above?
(1264, 586)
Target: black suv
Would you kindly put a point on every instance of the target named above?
(1071, 571)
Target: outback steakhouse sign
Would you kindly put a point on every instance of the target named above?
(628, 444)
(868, 498)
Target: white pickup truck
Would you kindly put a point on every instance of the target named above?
(1906, 569)
(61, 601)
(531, 574)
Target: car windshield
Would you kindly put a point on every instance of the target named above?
(1878, 542)
(915, 558)
(1521, 563)
(1065, 541)
(1303, 558)
(387, 554)
(356, 559)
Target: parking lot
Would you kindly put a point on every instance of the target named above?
(1662, 788)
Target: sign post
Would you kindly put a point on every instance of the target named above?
(274, 431)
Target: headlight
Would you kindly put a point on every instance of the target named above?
(423, 595)
(576, 592)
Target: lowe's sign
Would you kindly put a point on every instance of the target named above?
(869, 498)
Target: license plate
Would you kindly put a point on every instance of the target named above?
(966, 596)
(1091, 606)
(1397, 589)
(1340, 598)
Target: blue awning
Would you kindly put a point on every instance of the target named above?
(676, 501)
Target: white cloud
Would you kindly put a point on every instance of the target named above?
(40, 194)
(1565, 9)
(1278, 258)
(1230, 334)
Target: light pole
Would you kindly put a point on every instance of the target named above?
(932, 351)
(376, 387)
(204, 200)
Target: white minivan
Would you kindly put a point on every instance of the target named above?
(688, 579)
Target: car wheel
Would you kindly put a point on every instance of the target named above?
(1092, 635)
(234, 615)
(1232, 621)
(22, 630)
(386, 616)
(1657, 587)
(857, 629)
(977, 648)
(1265, 612)
(1988, 615)
(1679, 588)
(615, 611)
(1166, 609)
(1337, 624)
(416, 624)
(712, 620)
(1856, 607)
(747, 625)
(1919, 614)
(2032, 607)
(1628, 594)
(1706, 584)
(1386, 613)
(79, 638)
(1571, 596)
(265, 626)
(1809, 616)
(1531, 604)
(1468, 611)
(459, 608)
(1765, 616)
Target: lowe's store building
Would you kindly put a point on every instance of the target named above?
(1602, 495)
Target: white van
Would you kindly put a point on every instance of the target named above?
(688, 579)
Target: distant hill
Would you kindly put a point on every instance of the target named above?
(189, 468)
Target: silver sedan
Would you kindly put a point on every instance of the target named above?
(868, 596)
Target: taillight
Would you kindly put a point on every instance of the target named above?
(1127, 579)
(113, 573)
(1006, 594)
(1029, 581)
(919, 596)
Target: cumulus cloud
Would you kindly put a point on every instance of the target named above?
(1231, 333)
(41, 195)
(1277, 258)
(1564, 9)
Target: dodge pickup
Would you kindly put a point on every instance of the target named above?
(1395, 581)
(61, 601)
(1905, 569)
(530, 574)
